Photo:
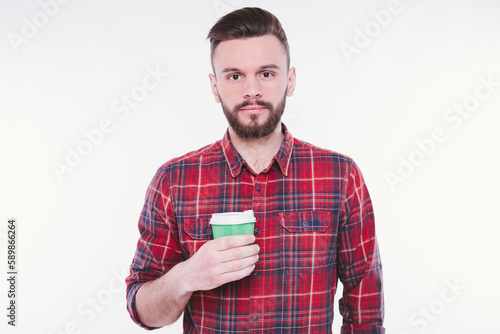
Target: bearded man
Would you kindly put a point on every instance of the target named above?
(314, 217)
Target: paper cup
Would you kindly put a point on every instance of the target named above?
(232, 223)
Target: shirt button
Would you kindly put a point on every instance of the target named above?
(258, 188)
(255, 319)
(257, 231)
(208, 231)
(305, 223)
(256, 275)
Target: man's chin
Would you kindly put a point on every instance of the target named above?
(253, 119)
(253, 130)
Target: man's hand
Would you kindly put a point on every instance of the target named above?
(221, 261)
(160, 302)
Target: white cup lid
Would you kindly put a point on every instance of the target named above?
(231, 218)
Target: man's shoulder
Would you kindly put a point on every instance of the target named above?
(303, 148)
(188, 163)
(207, 152)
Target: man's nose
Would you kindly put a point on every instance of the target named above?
(252, 88)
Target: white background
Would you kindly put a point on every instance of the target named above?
(438, 224)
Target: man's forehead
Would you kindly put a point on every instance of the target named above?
(250, 53)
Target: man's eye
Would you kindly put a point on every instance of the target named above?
(267, 74)
(234, 77)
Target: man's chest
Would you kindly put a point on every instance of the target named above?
(297, 215)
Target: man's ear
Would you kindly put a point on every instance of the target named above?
(291, 81)
(213, 84)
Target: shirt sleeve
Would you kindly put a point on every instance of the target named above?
(359, 266)
(158, 248)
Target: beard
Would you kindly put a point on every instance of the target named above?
(254, 130)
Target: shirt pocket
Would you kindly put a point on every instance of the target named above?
(196, 233)
(307, 242)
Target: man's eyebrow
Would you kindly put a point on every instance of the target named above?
(230, 69)
(270, 66)
(264, 67)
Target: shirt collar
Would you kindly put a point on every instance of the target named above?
(236, 162)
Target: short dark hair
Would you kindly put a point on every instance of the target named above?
(244, 23)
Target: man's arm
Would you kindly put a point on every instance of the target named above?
(161, 280)
(359, 266)
(161, 302)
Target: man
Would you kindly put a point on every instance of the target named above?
(314, 215)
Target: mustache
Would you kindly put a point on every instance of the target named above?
(247, 103)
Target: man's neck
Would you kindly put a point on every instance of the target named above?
(258, 153)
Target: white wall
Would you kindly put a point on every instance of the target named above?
(437, 220)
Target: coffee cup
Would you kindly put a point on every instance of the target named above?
(232, 223)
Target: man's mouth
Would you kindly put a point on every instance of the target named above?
(254, 109)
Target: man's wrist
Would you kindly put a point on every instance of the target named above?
(179, 279)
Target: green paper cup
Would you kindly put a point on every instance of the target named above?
(232, 223)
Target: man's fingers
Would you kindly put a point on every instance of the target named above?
(238, 253)
(224, 260)
(238, 265)
(233, 241)
(237, 275)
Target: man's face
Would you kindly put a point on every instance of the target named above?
(252, 82)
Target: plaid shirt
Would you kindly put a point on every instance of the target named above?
(314, 224)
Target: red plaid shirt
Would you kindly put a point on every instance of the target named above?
(314, 224)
